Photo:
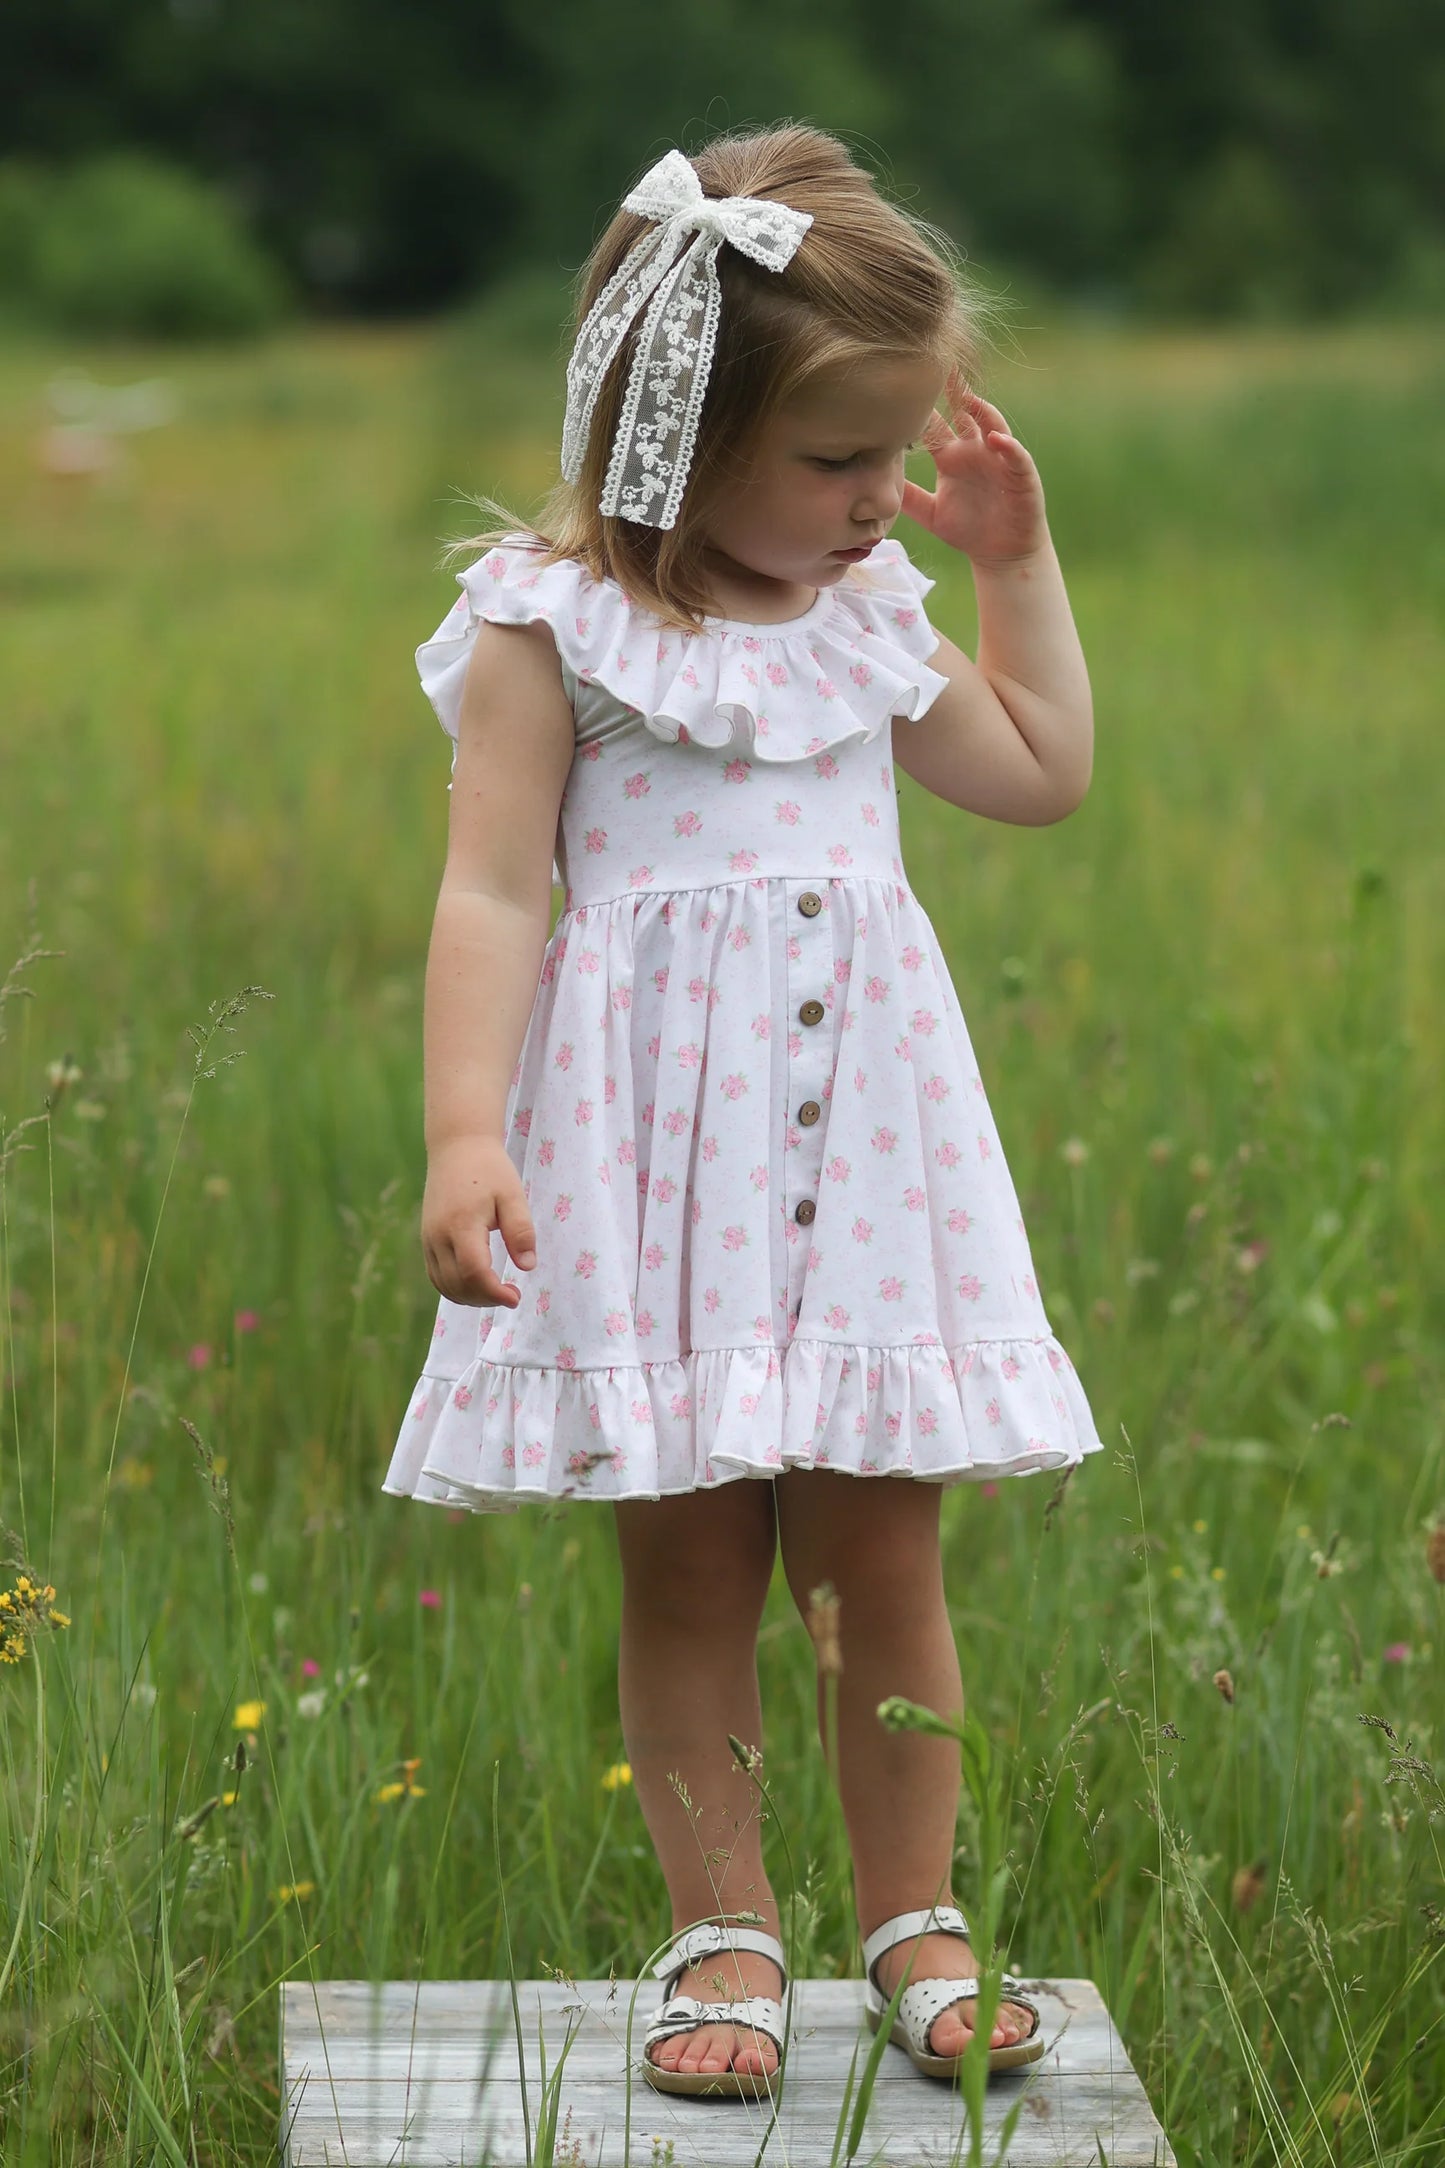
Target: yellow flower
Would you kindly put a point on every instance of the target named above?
(391, 1791)
(228, 1799)
(1200, 1527)
(248, 1715)
(1176, 1573)
(619, 1773)
(300, 1889)
(1216, 1573)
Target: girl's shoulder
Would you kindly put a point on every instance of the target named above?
(840, 670)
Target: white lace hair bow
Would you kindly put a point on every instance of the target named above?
(651, 458)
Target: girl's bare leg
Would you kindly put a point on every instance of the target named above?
(695, 1577)
(876, 1539)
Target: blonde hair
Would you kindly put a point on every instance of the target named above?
(870, 281)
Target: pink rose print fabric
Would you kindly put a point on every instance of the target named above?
(775, 1223)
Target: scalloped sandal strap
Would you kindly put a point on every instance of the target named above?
(939, 1919)
(710, 1939)
(684, 2013)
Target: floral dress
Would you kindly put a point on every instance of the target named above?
(775, 1225)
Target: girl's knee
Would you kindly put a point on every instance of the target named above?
(714, 1547)
(875, 1539)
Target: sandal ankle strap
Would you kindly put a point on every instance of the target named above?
(708, 1939)
(938, 1919)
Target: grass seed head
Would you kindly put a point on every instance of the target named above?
(1435, 1551)
(824, 1605)
(1247, 1887)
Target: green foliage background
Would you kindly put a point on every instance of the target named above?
(1207, 1012)
(1249, 159)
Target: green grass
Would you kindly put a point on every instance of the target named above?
(1207, 1009)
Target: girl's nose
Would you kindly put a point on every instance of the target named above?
(882, 503)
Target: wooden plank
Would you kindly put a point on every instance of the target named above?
(426, 2072)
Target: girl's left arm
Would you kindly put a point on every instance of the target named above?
(1028, 649)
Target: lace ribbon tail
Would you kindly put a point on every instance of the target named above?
(599, 341)
(671, 369)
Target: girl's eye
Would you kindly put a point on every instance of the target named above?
(833, 465)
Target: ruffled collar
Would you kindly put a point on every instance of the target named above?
(841, 670)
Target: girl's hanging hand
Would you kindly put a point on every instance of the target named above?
(988, 501)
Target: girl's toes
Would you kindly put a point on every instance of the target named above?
(950, 2034)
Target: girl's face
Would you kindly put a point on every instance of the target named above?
(826, 476)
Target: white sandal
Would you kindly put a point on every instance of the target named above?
(923, 2000)
(684, 2013)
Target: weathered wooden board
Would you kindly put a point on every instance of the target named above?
(426, 2072)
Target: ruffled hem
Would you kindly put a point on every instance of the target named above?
(500, 1435)
(840, 671)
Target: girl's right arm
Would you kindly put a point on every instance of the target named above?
(515, 743)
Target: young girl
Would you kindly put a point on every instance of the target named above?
(767, 1247)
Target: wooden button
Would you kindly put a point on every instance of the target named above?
(811, 1012)
(810, 903)
(804, 1213)
(809, 1111)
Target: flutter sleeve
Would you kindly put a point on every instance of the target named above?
(506, 587)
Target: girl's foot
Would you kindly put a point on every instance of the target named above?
(949, 1957)
(727, 1977)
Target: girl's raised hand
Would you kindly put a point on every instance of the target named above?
(988, 500)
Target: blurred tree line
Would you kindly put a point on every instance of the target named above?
(1241, 158)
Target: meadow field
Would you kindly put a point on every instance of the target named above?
(256, 1731)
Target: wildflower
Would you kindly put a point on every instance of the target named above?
(248, 1715)
(1396, 1652)
(1161, 1150)
(24, 1608)
(288, 1890)
(405, 1785)
(311, 1705)
(1176, 1573)
(430, 1599)
(1201, 1528)
(1216, 1573)
(258, 1584)
(216, 1185)
(1074, 1150)
(1201, 1166)
(247, 1321)
(1225, 1683)
(228, 1799)
(310, 1669)
(60, 1075)
(988, 1490)
(199, 1356)
(619, 1773)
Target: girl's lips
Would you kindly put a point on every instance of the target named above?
(864, 551)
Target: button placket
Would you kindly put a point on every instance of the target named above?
(807, 1074)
